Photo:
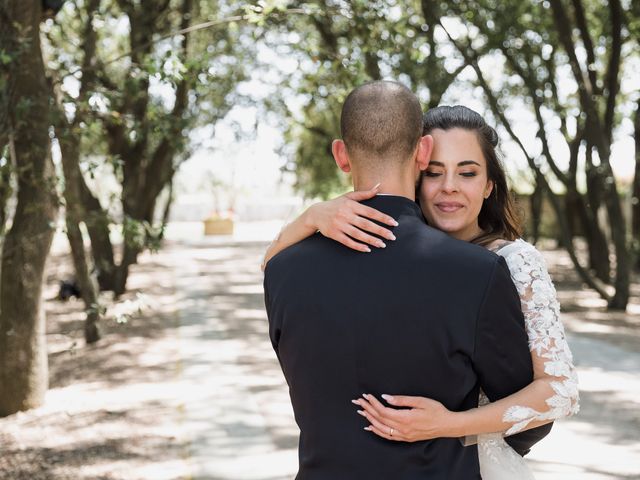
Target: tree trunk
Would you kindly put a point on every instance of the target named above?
(5, 192)
(635, 199)
(70, 149)
(8, 43)
(88, 288)
(23, 355)
(597, 242)
(129, 257)
(166, 213)
(97, 221)
(622, 281)
(536, 200)
(132, 237)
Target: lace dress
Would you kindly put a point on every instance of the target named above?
(550, 352)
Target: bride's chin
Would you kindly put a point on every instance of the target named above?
(446, 227)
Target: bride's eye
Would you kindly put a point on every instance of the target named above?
(429, 173)
(468, 174)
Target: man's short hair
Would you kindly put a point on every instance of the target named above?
(381, 122)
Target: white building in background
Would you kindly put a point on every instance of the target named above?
(242, 178)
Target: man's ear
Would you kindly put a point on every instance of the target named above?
(339, 150)
(423, 153)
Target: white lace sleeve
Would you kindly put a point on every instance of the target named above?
(547, 342)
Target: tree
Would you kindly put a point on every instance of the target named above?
(535, 51)
(141, 93)
(7, 49)
(347, 44)
(68, 134)
(635, 198)
(633, 17)
(23, 356)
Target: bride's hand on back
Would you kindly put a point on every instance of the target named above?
(424, 419)
(349, 222)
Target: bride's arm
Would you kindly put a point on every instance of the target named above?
(343, 219)
(553, 394)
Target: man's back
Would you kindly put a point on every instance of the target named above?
(417, 318)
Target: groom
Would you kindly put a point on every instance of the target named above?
(428, 315)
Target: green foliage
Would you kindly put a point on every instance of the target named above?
(5, 57)
(343, 44)
(317, 173)
(133, 90)
(340, 45)
(134, 232)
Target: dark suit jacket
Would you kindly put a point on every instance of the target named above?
(429, 315)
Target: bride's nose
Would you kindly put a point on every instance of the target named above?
(450, 183)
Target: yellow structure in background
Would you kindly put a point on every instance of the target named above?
(217, 225)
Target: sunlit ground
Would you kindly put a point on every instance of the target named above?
(190, 387)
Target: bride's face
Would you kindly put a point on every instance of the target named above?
(455, 184)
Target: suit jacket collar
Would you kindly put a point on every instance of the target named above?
(394, 205)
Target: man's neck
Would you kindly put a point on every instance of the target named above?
(398, 187)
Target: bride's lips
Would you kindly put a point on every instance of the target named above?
(449, 207)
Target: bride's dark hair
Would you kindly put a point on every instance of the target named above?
(498, 217)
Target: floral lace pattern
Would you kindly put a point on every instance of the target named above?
(498, 461)
(546, 335)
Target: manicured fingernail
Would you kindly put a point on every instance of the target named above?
(388, 398)
(355, 402)
(392, 236)
(367, 250)
(382, 245)
(377, 185)
(361, 412)
(368, 429)
(395, 223)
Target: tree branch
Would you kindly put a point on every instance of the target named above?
(87, 81)
(613, 69)
(559, 109)
(588, 44)
(529, 81)
(561, 21)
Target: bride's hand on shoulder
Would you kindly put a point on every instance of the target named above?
(349, 222)
(419, 418)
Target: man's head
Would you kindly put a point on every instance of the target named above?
(381, 127)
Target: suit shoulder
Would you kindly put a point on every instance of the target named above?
(463, 253)
(293, 254)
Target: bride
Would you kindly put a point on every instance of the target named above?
(463, 192)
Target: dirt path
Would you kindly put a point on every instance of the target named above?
(252, 422)
(190, 388)
(236, 410)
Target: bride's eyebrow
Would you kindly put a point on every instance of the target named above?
(463, 163)
(468, 162)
